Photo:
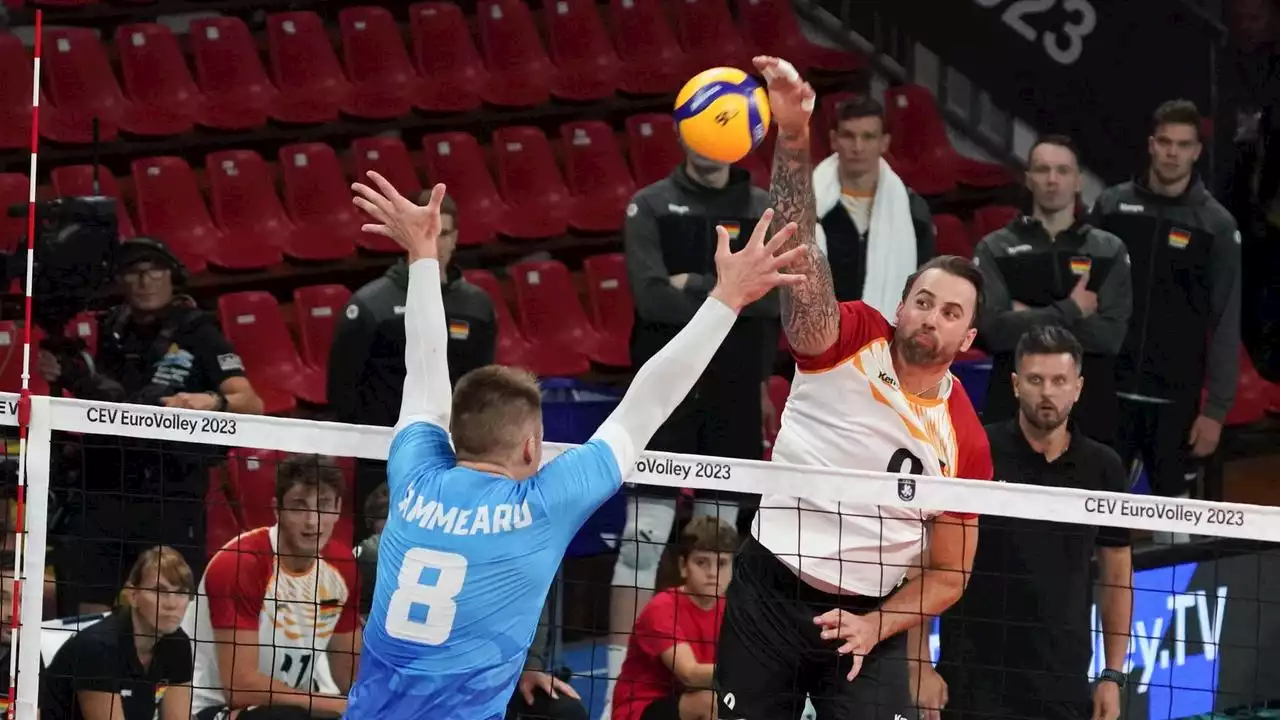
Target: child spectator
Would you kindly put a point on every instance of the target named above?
(671, 655)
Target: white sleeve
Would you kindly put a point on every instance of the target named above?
(427, 394)
(663, 382)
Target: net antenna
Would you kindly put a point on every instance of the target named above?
(24, 401)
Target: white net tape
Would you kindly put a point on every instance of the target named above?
(1056, 504)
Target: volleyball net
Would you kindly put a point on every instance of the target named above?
(104, 482)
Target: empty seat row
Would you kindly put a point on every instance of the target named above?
(376, 77)
(955, 237)
(552, 334)
(246, 225)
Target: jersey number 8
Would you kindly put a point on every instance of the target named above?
(436, 598)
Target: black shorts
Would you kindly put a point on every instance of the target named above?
(261, 712)
(771, 656)
(667, 708)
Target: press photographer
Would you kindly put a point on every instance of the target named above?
(155, 348)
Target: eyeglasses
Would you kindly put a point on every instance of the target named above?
(152, 273)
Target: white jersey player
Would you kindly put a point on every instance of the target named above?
(275, 621)
(822, 599)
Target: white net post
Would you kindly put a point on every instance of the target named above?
(31, 549)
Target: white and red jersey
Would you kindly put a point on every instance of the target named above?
(294, 614)
(847, 410)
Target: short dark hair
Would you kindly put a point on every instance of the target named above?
(308, 470)
(858, 106)
(489, 404)
(447, 205)
(708, 533)
(962, 268)
(1178, 112)
(1063, 141)
(377, 505)
(1048, 340)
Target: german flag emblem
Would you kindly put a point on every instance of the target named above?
(1179, 238)
(733, 228)
(459, 330)
(1080, 265)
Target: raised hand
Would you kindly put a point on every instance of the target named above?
(790, 98)
(747, 275)
(414, 227)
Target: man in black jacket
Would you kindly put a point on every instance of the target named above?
(874, 230)
(366, 362)
(1185, 330)
(670, 239)
(1050, 268)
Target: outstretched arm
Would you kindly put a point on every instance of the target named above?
(810, 313)
(427, 393)
(663, 381)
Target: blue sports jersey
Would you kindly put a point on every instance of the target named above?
(464, 566)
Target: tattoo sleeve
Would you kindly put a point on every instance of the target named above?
(810, 313)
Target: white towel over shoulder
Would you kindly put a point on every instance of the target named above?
(891, 247)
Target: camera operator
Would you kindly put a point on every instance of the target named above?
(155, 348)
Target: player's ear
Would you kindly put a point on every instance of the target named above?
(1013, 381)
(969, 337)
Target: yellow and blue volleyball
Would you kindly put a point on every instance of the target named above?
(722, 114)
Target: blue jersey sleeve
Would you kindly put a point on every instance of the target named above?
(418, 447)
(578, 482)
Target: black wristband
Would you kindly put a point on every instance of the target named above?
(1114, 676)
(222, 401)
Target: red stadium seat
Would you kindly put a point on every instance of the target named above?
(951, 237)
(390, 158)
(1253, 394)
(519, 69)
(921, 146)
(586, 67)
(11, 342)
(222, 523)
(457, 160)
(156, 79)
(247, 210)
(305, 69)
(513, 349)
(530, 183)
(654, 147)
(255, 326)
(15, 93)
(596, 174)
(317, 197)
(779, 390)
(652, 61)
(611, 307)
(251, 480)
(382, 77)
(73, 180)
(990, 218)
(771, 27)
(171, 208)
(229, 72)
(80, 85)
(318, 308)
(452, 73)
(708, 36)
(84, 327)
(15, 189)
(551, 316)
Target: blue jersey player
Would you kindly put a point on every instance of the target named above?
(478, 526)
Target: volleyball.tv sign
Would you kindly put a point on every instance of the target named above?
(1204, 637)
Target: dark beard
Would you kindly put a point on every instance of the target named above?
(1034, 420)
(919, 355)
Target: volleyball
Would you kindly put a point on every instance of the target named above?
(722, 114)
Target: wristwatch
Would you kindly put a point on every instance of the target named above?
(1114, 676)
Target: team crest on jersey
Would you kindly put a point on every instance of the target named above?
(906, 489)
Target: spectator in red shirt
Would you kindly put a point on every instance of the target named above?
(672, 652)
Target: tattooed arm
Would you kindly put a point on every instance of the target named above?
(810, 313)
